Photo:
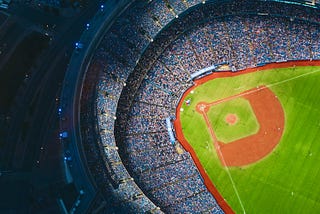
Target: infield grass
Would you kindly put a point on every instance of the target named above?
(287, 180)
(246, 125)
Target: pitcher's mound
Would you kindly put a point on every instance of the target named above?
(231, 119)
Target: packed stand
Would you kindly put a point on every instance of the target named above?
(240, 41)
(152, 80)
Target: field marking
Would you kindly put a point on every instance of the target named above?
(259, 88)
(203, 111)
(203, 107)
(251, 91)
(292, 78)
(217, 146)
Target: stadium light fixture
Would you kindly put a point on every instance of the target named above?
(79, 45)
(63, 135)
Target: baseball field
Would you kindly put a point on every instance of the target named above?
(255, 137)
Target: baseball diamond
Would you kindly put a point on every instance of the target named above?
(243, 160)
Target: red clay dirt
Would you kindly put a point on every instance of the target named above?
(247, 150)
(231, 119)
(177, 123)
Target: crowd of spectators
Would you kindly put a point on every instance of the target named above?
(145, 61)
(51, 3)
(157, 9)
(103, 160)
(247, 41)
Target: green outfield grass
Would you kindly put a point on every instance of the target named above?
(287, 180)
(246, 125)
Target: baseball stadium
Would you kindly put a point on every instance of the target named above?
(192, 106)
